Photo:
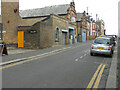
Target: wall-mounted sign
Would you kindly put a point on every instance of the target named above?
(3, 48)
(33, 31)
(73, 19)
(3, 31)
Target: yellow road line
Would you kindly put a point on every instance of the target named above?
(18, 63)
(99, 77)
(93, 78)
(33, 58)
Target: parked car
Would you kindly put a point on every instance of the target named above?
(113, 38)
(102, 45)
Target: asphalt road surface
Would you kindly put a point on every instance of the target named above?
(69, 68)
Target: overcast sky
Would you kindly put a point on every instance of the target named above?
(106, 9)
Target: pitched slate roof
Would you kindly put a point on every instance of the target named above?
(79, 16)
(56, 9)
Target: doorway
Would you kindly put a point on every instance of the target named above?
(21, 39)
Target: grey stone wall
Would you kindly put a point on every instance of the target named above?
(32, 38)
(61, 24)
(46, 34)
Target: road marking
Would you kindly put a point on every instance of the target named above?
(94, 77)
(58, 50)
(36, 57)
(85, 54)
(76, 59)
(99, 77)
(81, 57)
(18, 63)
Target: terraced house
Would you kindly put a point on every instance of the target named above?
(38, 28)
(83, 26)
(101, 25)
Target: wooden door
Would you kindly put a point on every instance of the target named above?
(21, 39)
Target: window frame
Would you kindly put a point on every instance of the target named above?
(57, 34)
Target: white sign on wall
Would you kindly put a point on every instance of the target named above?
(73, 19)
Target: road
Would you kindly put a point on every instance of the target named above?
(68, 68)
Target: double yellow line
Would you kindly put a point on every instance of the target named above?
(21, 62)
(96, 77)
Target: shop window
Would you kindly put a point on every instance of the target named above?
(57, 34)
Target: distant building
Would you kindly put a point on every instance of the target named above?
(101, 25)
(88, 26)
(79, 26)
(83, 26)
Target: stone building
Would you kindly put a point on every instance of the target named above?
(79, 26)
(83, 27)
(10, 20)
(101, 25)
(45, 33)
(57, 22)
(88, 26)
(66, 11)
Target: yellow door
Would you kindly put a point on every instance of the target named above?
(21, 39)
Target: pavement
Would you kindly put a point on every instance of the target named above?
(118, 67)
(18, 50)
(112, 77)
(16, 55)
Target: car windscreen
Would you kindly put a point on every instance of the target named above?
(101, 41)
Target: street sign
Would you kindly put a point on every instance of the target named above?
(3, 48)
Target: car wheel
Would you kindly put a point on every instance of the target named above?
(91, 54)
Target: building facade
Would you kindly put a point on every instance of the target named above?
(101, 25)
(58, 20)
(10, 20)
(83, 26)
(66, 11)
(51, 31)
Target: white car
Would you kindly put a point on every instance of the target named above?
(102, 45)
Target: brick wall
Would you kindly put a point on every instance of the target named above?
(32, 39)
(10, 18)
(62, 24)
(79, 31)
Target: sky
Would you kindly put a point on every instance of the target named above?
(107, 10)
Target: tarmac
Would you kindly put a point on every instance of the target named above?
(113, 80)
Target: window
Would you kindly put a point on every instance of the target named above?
(57, 34)
(101, 41)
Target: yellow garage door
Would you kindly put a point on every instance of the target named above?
(21, 39)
